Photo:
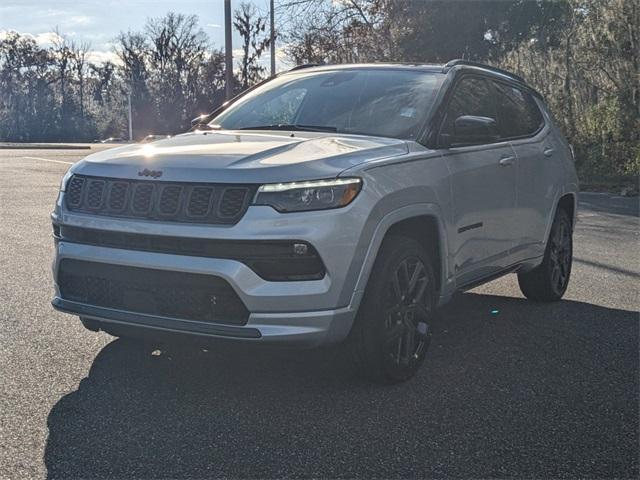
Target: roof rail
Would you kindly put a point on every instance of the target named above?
(470, 63)
(304, 65)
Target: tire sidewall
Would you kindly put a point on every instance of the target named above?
(561, 217)
(372, 321)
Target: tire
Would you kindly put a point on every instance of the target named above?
(549, 281)
(391, 335)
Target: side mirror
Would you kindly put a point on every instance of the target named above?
(473, 130)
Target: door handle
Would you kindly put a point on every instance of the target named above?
(506, 161)
(548, 151)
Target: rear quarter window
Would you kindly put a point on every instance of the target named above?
(518, 113)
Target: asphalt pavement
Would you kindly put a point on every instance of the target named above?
(531, 390)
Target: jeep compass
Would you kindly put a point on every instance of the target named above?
(328, 204)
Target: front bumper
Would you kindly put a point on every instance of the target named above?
(304, 313)
(304, 329)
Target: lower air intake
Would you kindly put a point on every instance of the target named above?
(187, 296)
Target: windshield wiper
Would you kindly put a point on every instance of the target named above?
(299, 128)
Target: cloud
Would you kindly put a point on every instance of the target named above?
(282, 61)
(80, 20)
(42, 39)
(47, 39)
(213, 25)
(100, 57)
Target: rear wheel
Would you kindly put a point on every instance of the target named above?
(391, 334)
(549, 281)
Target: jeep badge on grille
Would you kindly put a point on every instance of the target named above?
(150, 173)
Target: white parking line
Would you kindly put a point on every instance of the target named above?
(48, 160)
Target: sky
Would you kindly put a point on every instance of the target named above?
(99, 22)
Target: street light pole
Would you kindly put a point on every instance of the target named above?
(130, 119)
(228, 53)
(129, 106)
(273, 39)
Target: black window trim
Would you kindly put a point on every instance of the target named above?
(446, 99)
(524, 91)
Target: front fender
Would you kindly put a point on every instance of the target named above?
(377, 235)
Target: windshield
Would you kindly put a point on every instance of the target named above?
(386, 103)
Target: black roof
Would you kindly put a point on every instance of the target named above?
(381, 66)
(427, 67)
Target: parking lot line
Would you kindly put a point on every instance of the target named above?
(49, 160)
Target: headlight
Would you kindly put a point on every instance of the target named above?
(65, 180)
(312, 195)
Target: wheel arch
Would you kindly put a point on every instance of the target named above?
(423, 222)
(567, 202)
(423, 229)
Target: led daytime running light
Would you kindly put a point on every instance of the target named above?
(283, 187)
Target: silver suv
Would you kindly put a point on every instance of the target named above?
(330, 203)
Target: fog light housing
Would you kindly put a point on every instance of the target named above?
(300, 249)
(287, 262)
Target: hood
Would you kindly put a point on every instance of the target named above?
(242, 156)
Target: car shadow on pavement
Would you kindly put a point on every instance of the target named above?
(511, 388)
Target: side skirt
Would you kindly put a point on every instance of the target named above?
(494, 276)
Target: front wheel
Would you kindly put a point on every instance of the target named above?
(549, 281)
(391, 334)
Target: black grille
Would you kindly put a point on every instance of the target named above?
(232, 201)
(200, 201)
(94, 193)
(74, 192)
(179, 295)
(118, 196)
(155, 200)
(142, 196)
(170, 200)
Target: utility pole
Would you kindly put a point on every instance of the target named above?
(130, 119)
(273, 39)
(228, 53)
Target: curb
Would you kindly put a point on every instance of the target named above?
(43, 146)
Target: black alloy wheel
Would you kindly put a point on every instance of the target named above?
(548, 282)
(391, 334)
(407, 313)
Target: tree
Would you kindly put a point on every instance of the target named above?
(57, 93)
(27, 101)
(590, 78)
(413, 30)
(325, 31)
(177, 54)
(211, 84)
(79, 52)
(255, 42)
(133, 51)
(62, 55)
(107, 86)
